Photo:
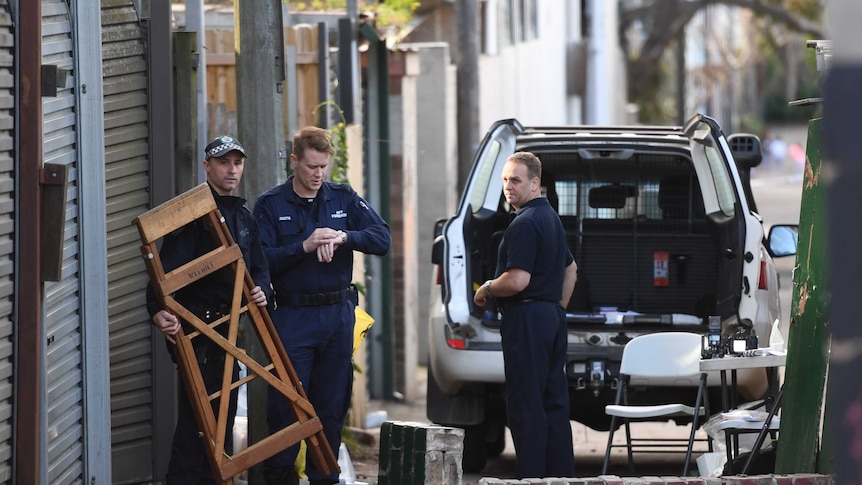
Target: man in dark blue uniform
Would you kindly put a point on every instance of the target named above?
(209, 299)
(535, 278)
(309, 230)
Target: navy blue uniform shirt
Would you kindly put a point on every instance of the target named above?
(194, 239)
(286, 220)
(535, 242)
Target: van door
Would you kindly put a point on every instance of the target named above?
(476, 210)
(726, 209)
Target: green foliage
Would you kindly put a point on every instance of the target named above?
(389, 13)
(338, 136)
(395, 13)
(339, 159)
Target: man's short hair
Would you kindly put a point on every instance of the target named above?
(314, 138)
(531, 161)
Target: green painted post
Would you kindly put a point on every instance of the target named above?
(808, 339)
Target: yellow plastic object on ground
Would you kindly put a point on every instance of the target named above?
(299, 464)
(364, 322)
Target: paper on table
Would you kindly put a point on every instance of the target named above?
(745, 415)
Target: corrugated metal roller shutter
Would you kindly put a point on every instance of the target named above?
(7, 83)
(63, 365)
(127, 178)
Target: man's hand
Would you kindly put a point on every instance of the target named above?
(324, 241)
(480, 298)
(168, 324)
(258, 297)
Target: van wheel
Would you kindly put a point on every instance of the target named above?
(495, 442)
(495, 428)
(475, 455)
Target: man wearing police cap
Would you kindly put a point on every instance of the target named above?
(209, 299)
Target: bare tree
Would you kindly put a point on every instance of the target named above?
(661, 23)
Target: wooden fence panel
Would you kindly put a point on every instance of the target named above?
(304, 38)
(221, 79)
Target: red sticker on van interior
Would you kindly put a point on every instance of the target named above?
(660, 269)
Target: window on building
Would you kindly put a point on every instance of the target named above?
(529, 20)
(505, 22)
(488, 27)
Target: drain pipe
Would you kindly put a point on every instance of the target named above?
(28, 288)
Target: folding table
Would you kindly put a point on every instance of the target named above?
(733, 364)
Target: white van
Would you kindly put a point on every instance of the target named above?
(665, 233)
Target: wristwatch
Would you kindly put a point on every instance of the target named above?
(487, 286)
(343, 237)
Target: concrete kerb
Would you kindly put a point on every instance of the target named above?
(796, 479)
(427, 454)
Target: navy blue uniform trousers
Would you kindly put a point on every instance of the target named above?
(534, 350)
(319, 344)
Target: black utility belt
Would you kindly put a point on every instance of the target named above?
(210, 314)
(504, 303)
(316, 299)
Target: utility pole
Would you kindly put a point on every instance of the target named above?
(195, 23)
(260, 126)
(602, 79)
(260, 88)
(467, 62)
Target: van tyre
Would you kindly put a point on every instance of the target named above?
(495, 442)
(495, 425)
(475, 453)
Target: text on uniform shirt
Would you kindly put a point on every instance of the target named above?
(284, 218)
(339, 214)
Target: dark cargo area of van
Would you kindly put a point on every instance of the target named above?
(647, 253)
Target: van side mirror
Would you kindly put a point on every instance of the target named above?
(783, 240)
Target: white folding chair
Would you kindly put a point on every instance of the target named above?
(658, 359)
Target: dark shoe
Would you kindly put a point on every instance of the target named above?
(280, 476)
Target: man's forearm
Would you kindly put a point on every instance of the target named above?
(569, 280)
(510, 283)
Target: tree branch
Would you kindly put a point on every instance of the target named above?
(667, 20)
(779, 14)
